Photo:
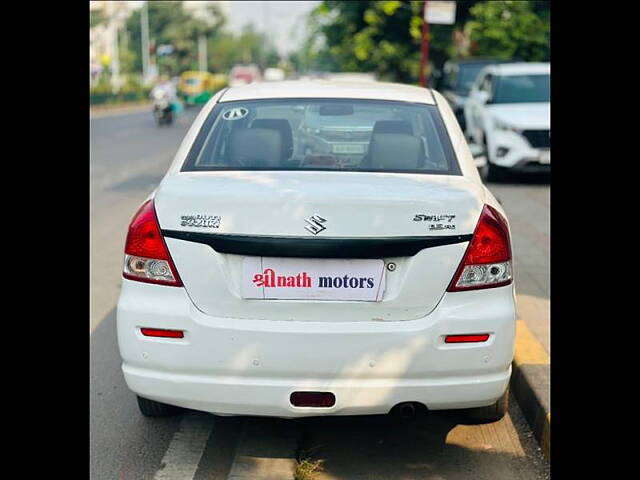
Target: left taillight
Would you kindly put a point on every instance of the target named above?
(147, 258)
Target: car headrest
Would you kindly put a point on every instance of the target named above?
(392, 126)
(255, 147)
(284, 127)
(396, 151)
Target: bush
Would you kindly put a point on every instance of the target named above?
(131, 91)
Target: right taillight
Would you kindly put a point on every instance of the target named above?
(487, 261)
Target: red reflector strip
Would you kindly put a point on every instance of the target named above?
(466, 338)
(313, 399)
(157, 332)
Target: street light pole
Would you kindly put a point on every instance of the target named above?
(202, 53)
(424, 47)
(115, 60)
(144, 30)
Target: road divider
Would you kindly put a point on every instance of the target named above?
(180, 461)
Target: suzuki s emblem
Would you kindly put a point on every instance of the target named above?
(315, 224)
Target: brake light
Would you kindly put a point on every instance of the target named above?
(487, 261)
(466, 338)
(162, 333)
(146, 256)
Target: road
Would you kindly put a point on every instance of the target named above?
(129, 155)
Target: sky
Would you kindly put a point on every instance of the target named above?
(285, 20)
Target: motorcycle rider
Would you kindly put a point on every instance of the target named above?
(164, 96)
(164, 87)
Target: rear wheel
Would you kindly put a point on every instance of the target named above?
(491, 413)
(491, 172)
(151, 408)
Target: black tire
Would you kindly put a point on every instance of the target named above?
(494, 173)
(151, 408)
(491, 413)
(491, 172)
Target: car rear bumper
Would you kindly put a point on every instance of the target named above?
(511, 150)
(251, 367)
(270, 397)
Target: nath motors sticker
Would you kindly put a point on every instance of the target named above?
(313, 279)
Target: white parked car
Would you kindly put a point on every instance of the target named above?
(274, 75)
(508, 112)
(261, 279)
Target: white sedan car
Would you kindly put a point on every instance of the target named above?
(375, 276)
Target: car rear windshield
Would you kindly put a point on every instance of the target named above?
(323, 134)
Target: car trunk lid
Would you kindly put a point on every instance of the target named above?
(356, 214)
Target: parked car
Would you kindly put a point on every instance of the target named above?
(508, 112)
(262, 280)
(274, 75)
(457, 78)
(244, 75)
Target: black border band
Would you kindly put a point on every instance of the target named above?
(264, 246)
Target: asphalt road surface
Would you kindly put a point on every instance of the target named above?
(129, 155)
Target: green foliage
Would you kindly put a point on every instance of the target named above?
(511, 29)
(226, 50)
(375, 36)
(95, 18)
(384, 36)
(170, 23)
(131, 91)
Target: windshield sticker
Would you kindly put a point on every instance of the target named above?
(437, 222)
(204, 221)
(235, 113)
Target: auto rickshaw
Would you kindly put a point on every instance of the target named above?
(196, 87)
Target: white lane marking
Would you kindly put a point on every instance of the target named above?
(185, 450)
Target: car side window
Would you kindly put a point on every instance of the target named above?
(486, 85)
(450, 78)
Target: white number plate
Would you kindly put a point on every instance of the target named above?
(313, 279)
(545, 157)
(356, 148)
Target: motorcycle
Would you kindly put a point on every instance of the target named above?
(162, 109)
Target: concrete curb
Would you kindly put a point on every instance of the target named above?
(109, 110)
(530, 384)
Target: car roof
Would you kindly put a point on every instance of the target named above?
(329, 89)
(521, 68)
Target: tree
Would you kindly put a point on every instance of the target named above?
(384, 36)
(226, 50)
(511, 29)
(170, 23)
(378, 36)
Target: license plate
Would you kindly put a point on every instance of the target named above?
(545, 157)
(348, 148)
(271, 278)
